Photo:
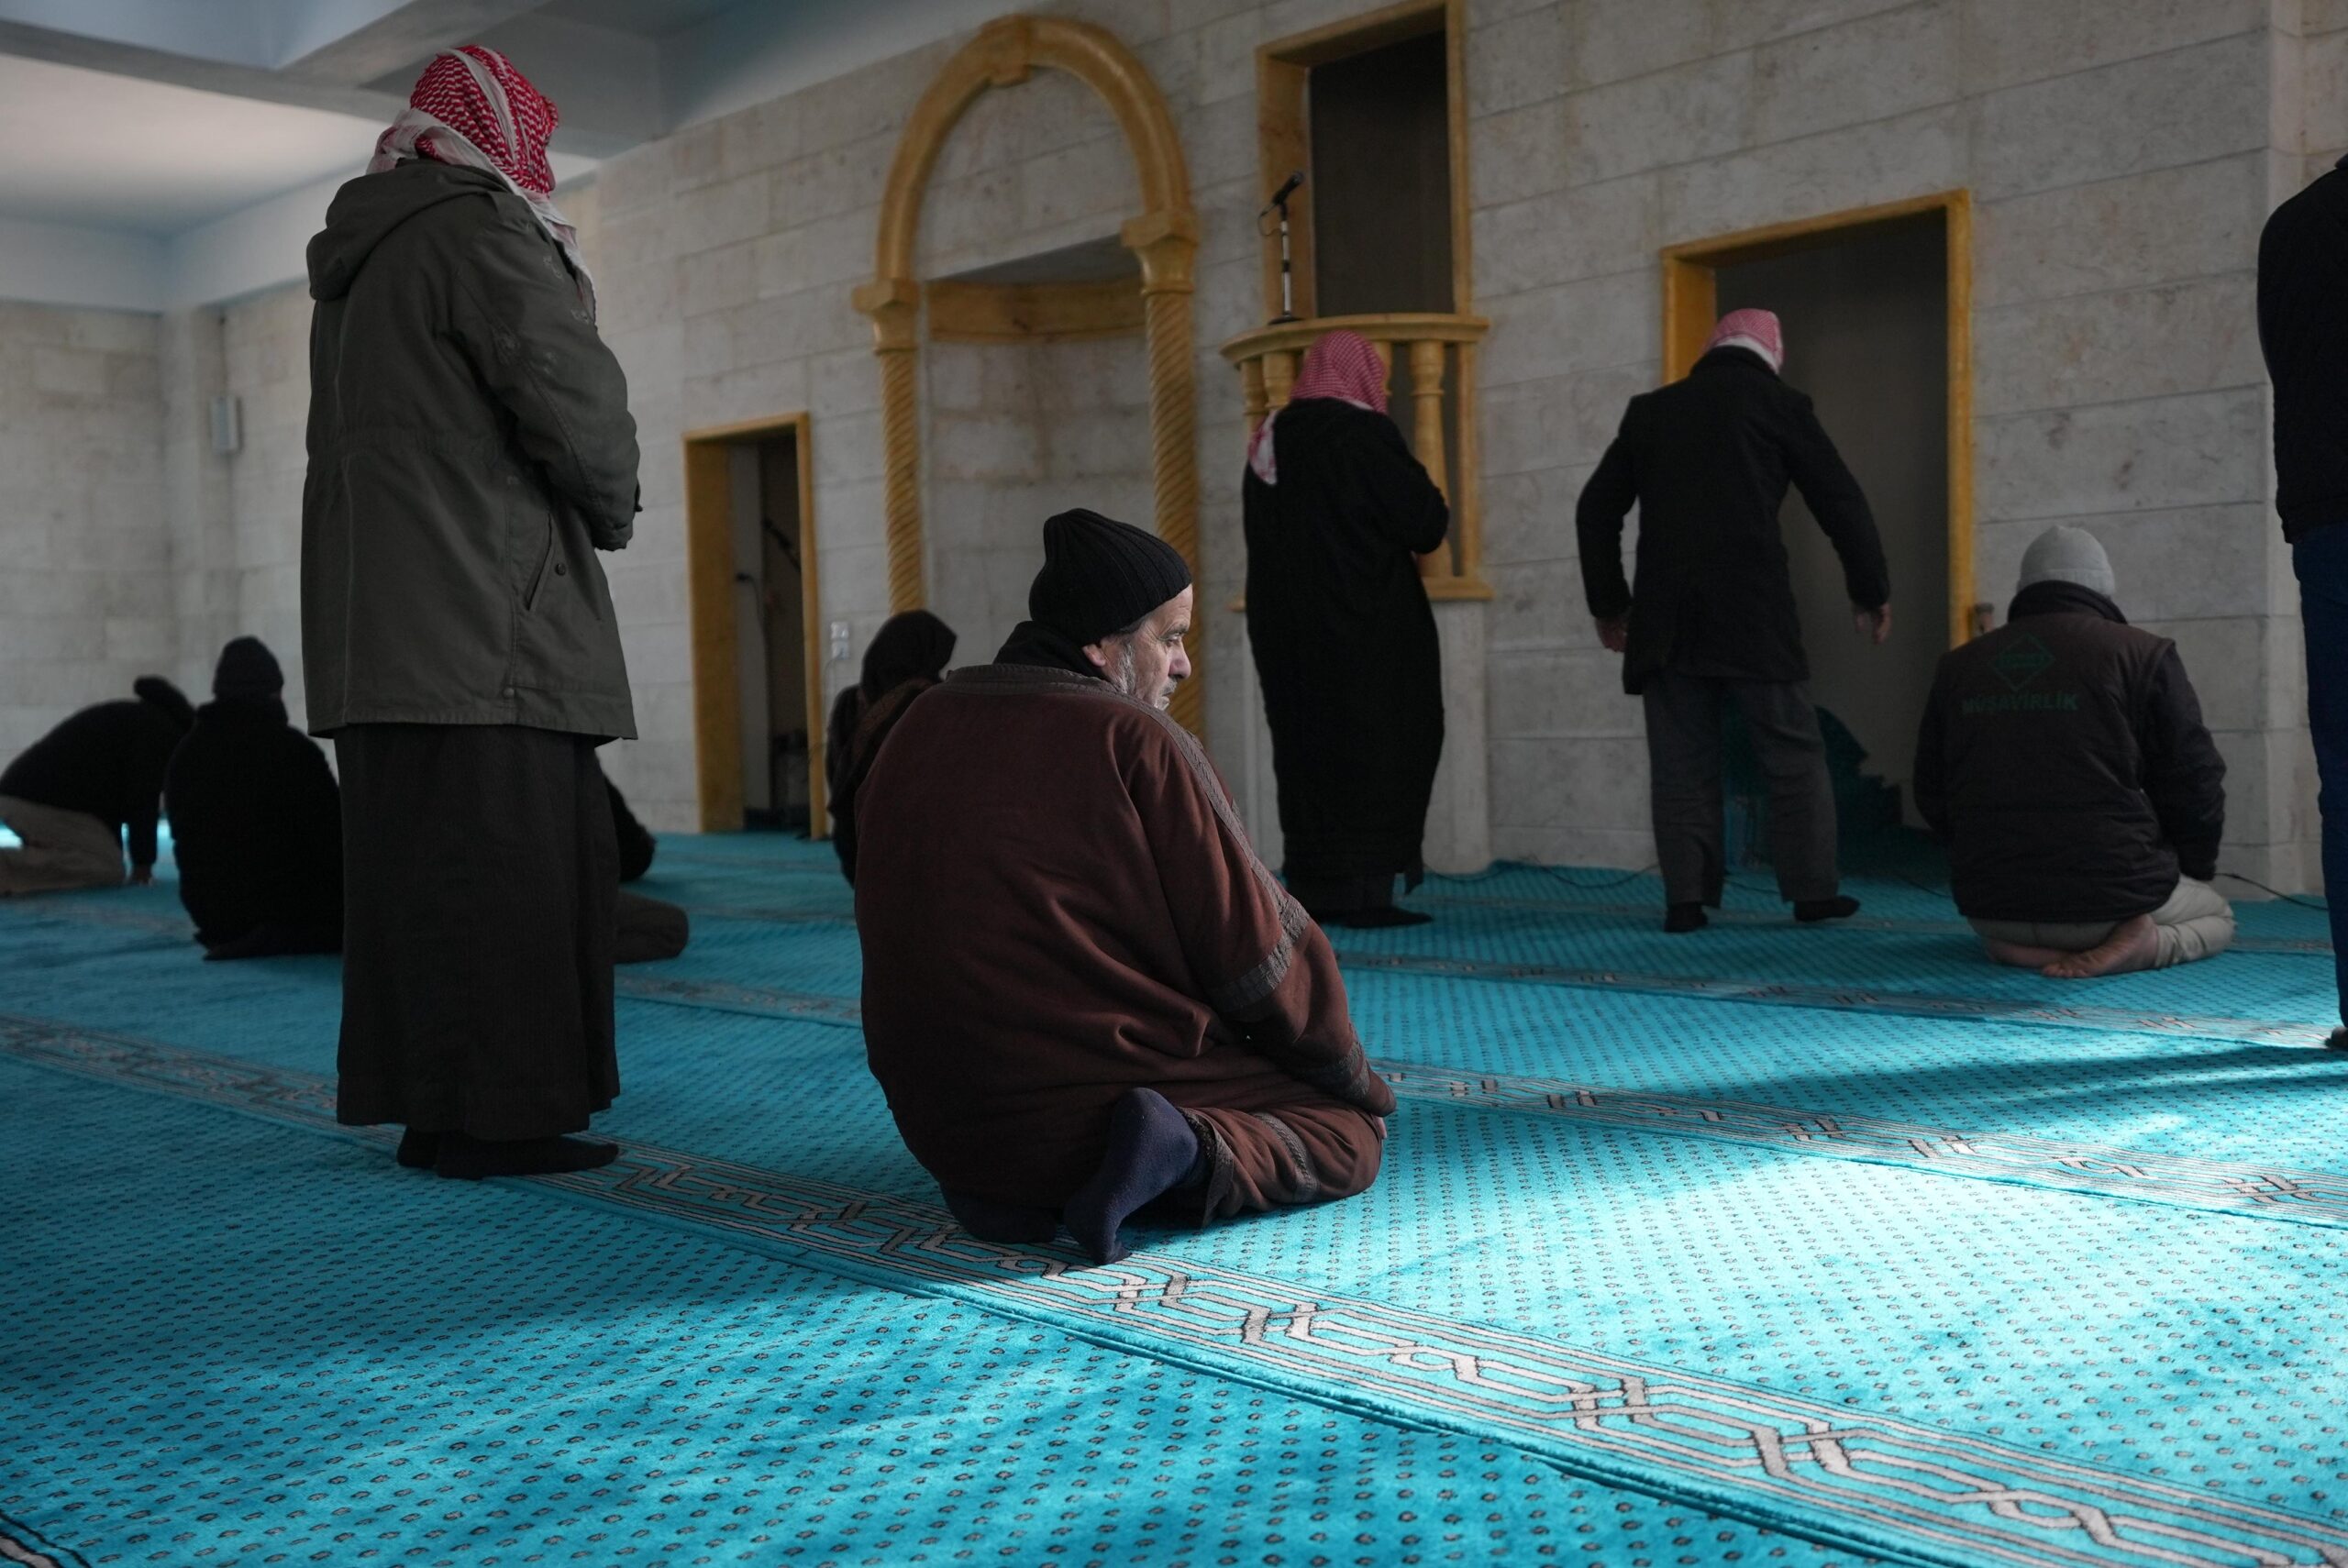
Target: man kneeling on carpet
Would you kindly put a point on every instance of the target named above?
(2064, 764)
(1083, 994)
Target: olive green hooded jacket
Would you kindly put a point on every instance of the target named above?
(471, 450)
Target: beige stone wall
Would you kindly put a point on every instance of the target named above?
(2121, 155)
(85, 587)
(2117, 153)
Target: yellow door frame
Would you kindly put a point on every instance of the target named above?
(709, 553)
(1691, 293)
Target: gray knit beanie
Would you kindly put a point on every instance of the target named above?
(2065, 554)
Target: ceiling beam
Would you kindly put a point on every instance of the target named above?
(399, 34)
(56, 47)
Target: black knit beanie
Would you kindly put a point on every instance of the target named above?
(247, 669)
(1101, 576)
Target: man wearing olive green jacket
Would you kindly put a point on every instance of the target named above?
(471, 450)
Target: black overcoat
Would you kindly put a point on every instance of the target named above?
(1344, 639)
(1708, 459)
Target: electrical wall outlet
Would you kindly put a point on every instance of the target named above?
(840, 641)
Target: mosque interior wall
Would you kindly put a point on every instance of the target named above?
(86, 596)
(2120, 154)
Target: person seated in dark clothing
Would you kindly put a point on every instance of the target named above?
(648, 929)
(256, 819)
(73, 795)
(907, 657)
(2064, 762)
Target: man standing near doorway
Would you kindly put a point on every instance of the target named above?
(2303, 327)
(1707, 459)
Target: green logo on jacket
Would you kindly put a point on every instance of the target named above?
(2021, 661)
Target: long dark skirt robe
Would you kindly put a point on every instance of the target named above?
(1346, 648)
(480, 871)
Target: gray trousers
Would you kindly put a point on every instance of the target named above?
(1684, 768)
(2195, 921)
(62, 849)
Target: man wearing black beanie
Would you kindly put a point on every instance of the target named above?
(256, 819)
(1083, 994)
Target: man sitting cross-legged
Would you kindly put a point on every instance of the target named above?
(2064, 764)
(1083, 993)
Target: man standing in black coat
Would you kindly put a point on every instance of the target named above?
(1708, 459)
(2303, 327)
(72, 796)
(2064, 762)
(256, 819)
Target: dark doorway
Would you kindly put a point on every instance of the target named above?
(770, 636)
(1866, 320)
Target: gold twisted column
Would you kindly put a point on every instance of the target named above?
(1165, 242)
(1426, 439)
(894, 305)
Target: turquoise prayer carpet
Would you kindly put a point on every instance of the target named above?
(1764, 1245)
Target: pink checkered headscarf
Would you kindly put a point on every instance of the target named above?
(1756, 330)
(1340, 364)
(472, 108)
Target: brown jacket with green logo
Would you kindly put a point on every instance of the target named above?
(471, 450)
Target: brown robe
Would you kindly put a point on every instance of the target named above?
(1056, 904)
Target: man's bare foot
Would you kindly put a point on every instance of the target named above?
(2022, 955)
(2132, 947)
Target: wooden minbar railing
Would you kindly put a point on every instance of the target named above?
(1439, 353)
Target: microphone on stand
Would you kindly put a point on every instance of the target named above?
(1280, 203)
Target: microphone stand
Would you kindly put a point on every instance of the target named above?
(1288, 288)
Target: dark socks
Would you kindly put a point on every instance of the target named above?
(1810, 912)
(470, 1159)
(1012, 1223)
(2339, 1041)
(1379, 918)
(1681, 919)
(272, 940)
(1151, 1150)
(418, 1150)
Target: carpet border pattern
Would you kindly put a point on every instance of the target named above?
(1862, 1479)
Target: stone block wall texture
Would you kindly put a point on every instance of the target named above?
(2120, 154)
(86, 591)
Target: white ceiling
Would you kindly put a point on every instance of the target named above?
(104, 151)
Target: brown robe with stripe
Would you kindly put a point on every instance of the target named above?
(1057, 903)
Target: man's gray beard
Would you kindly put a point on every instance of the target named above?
(1124, 674)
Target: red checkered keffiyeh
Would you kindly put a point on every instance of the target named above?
(472, 108)
(1340, 364)
(1755, 329)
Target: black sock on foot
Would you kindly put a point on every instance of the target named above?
(418, 1150)
(1681, 919)
(1151, 1150)
(2339, 1041)
(1382, 917)
(1811, 911)
(470, 1159)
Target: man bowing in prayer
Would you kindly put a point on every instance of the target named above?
(1083, 993)
(1337, 514)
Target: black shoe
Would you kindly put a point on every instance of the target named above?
(2339, 1041)
(1681, 919)
(418, 1150)
(1810, 912)
(470, 1159)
